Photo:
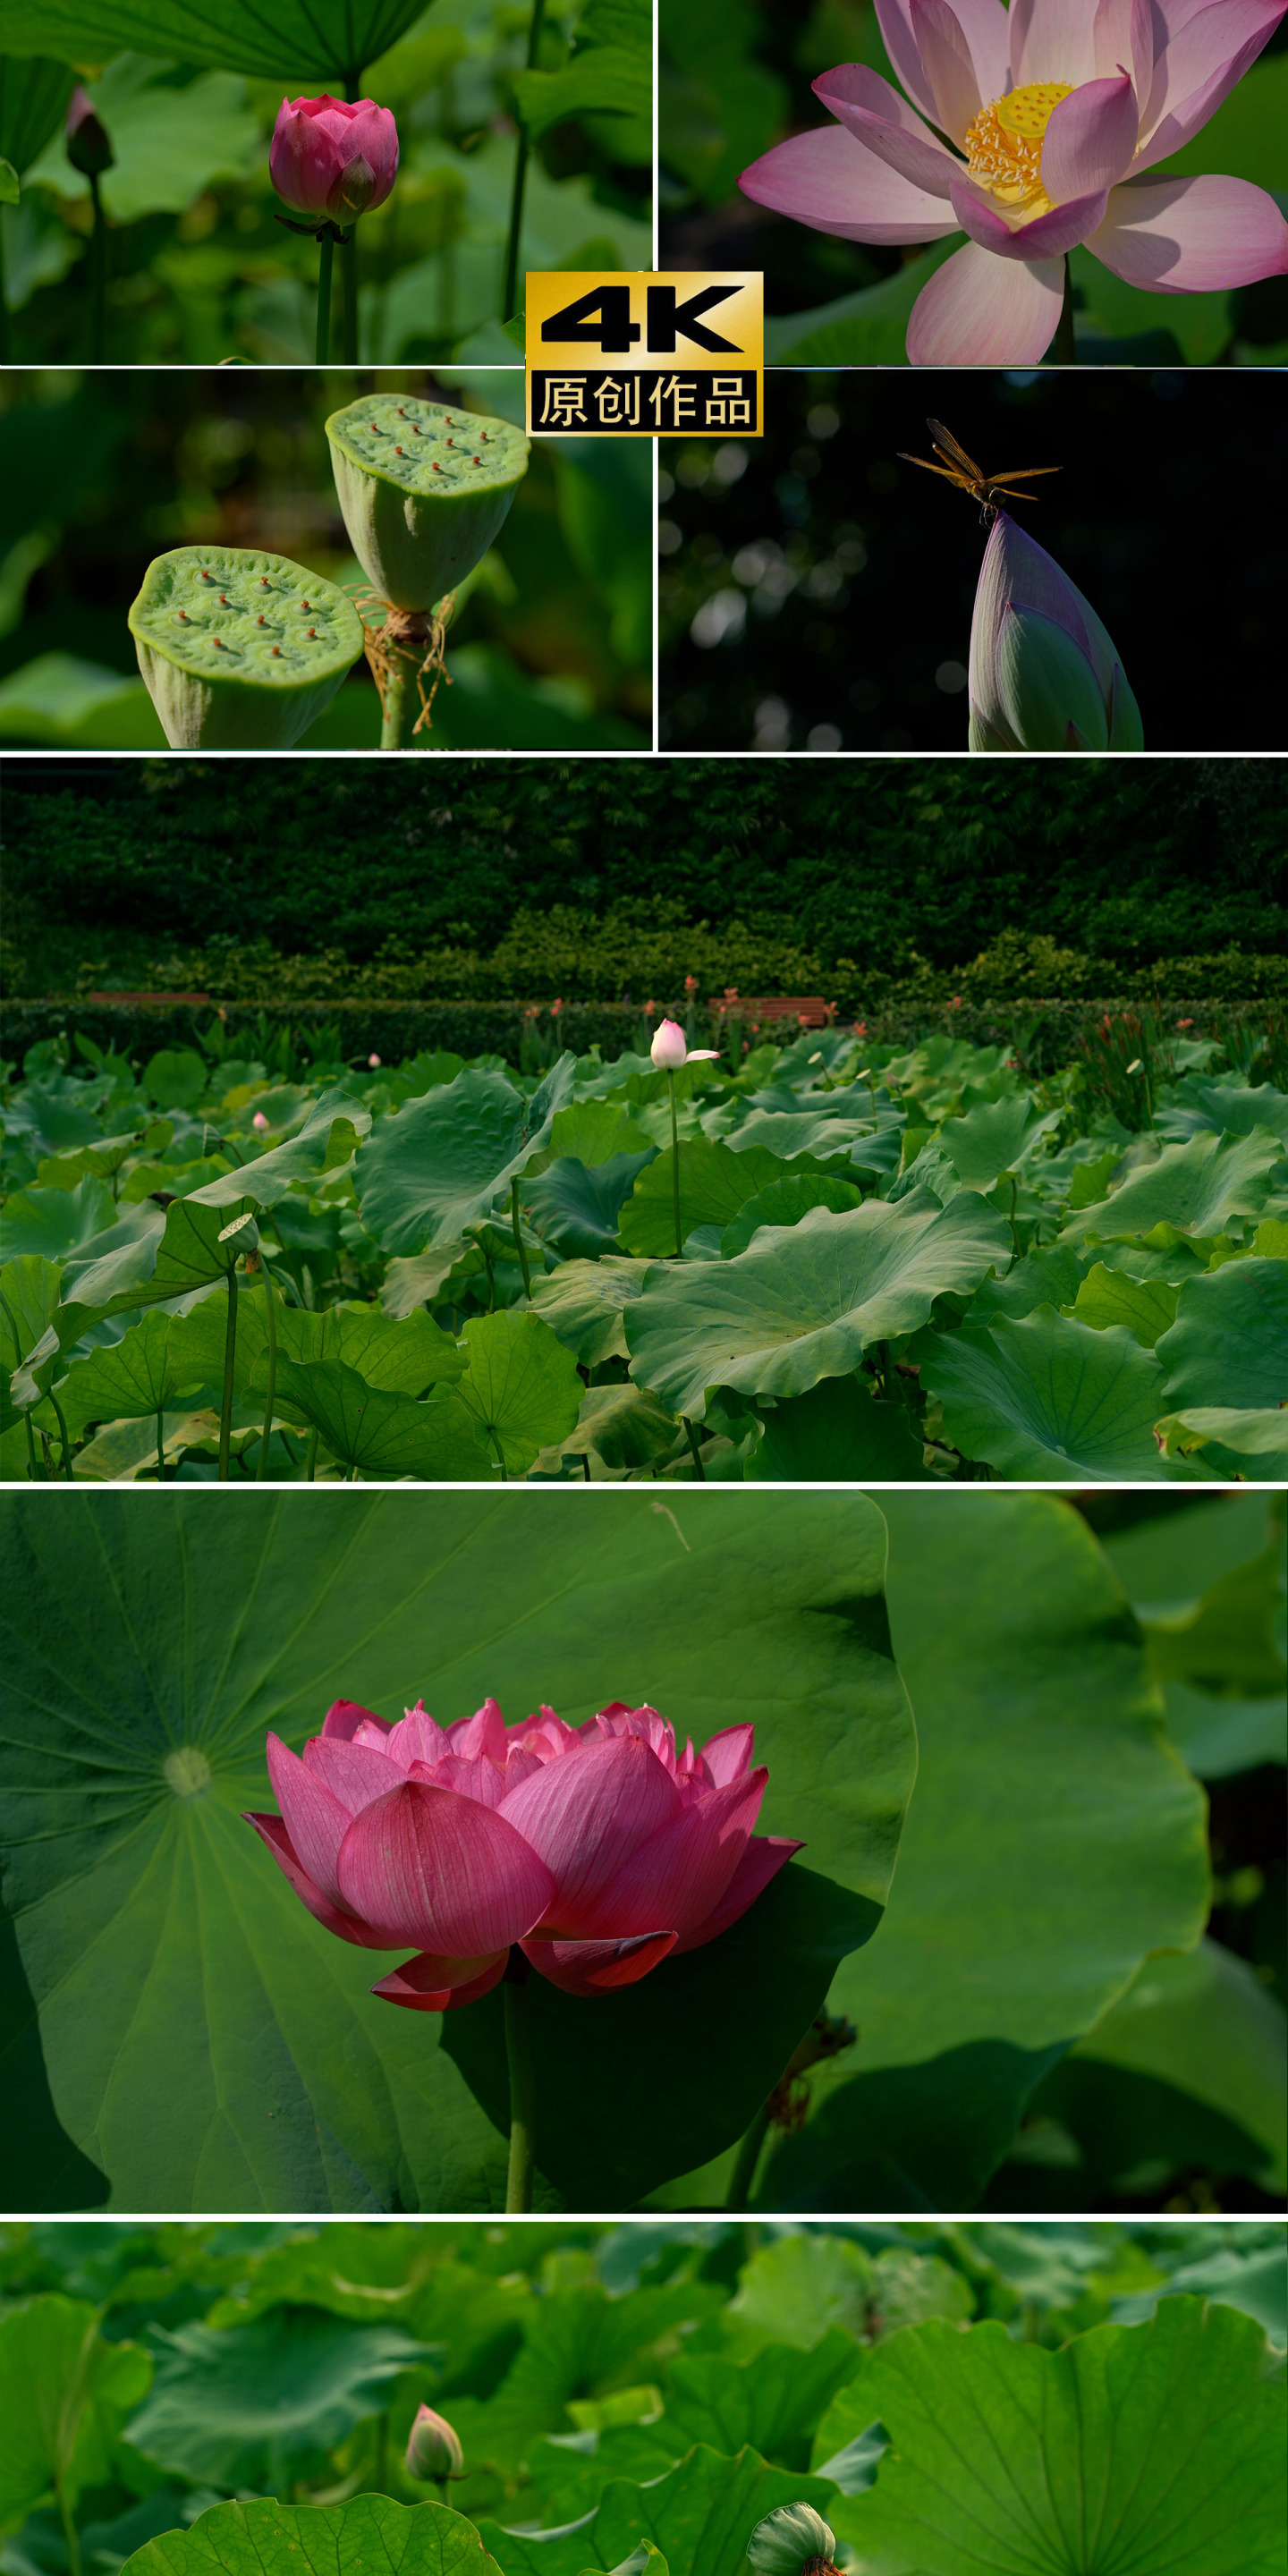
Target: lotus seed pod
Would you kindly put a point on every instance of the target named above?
(240, 651)
(788, 2539)
(424, 491)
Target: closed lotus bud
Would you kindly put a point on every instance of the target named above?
(670, 1048)
(332, 157)
(87, 145)
(433, 2448)
(789, 2539)
(1044, 675)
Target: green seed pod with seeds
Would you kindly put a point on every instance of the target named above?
(424, 490)
(240, 651)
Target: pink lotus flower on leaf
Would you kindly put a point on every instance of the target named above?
(600, 1850)
(1044, 674)
(1037, 128)
(328, 157)
(670, 1048)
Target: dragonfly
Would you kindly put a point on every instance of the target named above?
(956, 467)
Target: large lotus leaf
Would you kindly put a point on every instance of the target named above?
(1050, 1277)
(1054, 1840)
(584, 1303)
(54, 1222)
(265, 2538)
(373, 1430)
(774, 2405)
(1208, 1589)
(714, 1183)
(622, 1426)
(259, 2404)
(1229, 1343)
(64, 2395)
(169, 144)
(803, 2287)
(33, 101)
(148, 1256)
(406, 1358)
(1145, 1306)
(135, 1375)
(325, 1143)
(805, 1304)
(1232, 1108)
(841, 1135)
(427, 1276)
(522, 1389)
(701, 2516)
(594, 1132)
(1255, 2282)
(838, 1433)
(1047, 1397)
(1198, 1188)
(1140, 2450)
(1223, 1440)
(30, 1287)
(441, 1163)
(330, 41)
(996, 1136)
(148, 1653)
(577, 1207)
(785, 1202)
(1203, 2024)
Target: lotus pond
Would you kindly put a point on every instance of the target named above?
(187, 2398)
(825, 1260)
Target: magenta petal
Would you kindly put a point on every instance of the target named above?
(432, 1984)
(894, 18)
(949, 65)
(586, 1814)
(596, 1967)
(830, 181)
(1209, 53)
(728, 1754)
(438, 1870)
(681, 1873)
(873, 112)
(479, 1779)
(483, 1733)
(1089, 140)
(272, 1831)
(417, 1737)
(344, 1718)
(1047, 237)
(354, 1773)
(1190, 236)
(764, 1856)
(977, 311)
(316, 1819)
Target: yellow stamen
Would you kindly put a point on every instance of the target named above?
(1004, 145)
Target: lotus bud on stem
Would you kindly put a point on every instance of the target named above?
(89, 150)
(793, 2541)
(523, 2083)
(434, 2450)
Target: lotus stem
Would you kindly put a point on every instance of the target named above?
(349, 276)
(4, 305)
(70, 2533)
(1063, 348)
(510, 281)
(523, 2085)
(62, 1434)
(311, 1469)
(698, 1468)
(160, 1444)
(519, 1244)
(270, 1319)
(675, 1166)
(32, 1460)
(97, 280)
(230, 1354)
(404, 641)
(738, 2195)
(326, 260)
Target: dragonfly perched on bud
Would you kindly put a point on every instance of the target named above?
(990, 490)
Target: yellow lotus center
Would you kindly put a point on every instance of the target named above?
(1004, 146)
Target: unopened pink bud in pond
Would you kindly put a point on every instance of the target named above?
(670, 1049)
(1044, 675)
(260, 1123)
(599, 1849)
(330, 158)
(433, 2447)
(88, 147)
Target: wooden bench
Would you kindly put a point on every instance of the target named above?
(809, 1008)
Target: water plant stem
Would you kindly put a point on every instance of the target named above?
(97, 279)
(746, 2161)
(510, 281)
(349, 276)
(1063, 349)
(494, 1437)
(270, 1320)
(519, 1244)
(326, 261)
(70, 2532)
(4, 305)
(523, 2085)
(226, 1407)
(160, 1445)
(675, 1166)
(62, 1434)
(405, 639)
(698, 1468)
(312, 1467)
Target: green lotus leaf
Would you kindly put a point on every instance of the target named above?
(423, 491)
(373, 1430)
(1048, 1397)
(1145, 1307)
(441, 1164)
(34, 96)
(54, 1222)
(1197, 1188)
(785, 1202)
(325, 1143)
(240, 651)
(1226, 1108)
(265, 2402)
(700, 2516)
(330, 41)
(996, 1136)
(805, 1305)
(135, 1375)
(64, 2394)
(1229, 1342)
(714, 1183)
(1143, 2449)
(1243, 1441)
(424, 1277)
(837, 1433)
(522, 1388)
(578, 1208)
(1204, 2025)
(584, 1303)
(623, 1426)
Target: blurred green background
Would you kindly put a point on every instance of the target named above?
(734, 78)
(550, 651)
(199, 270)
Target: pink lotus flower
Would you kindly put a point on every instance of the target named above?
(598, 1849)
(1044, 675)
(260, 1123)
(1055, 110)
(329, 158)
(670, 1049)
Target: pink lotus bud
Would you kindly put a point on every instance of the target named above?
(260, 1123)
(598, 1850)
(373, 1061)
(1044, 675)
(328, 158)
(433, 2447)
(670, 1049)
(88, 148)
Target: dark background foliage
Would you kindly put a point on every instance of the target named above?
(816, 594)
(866, 859)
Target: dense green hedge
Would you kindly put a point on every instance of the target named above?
(857, 859)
